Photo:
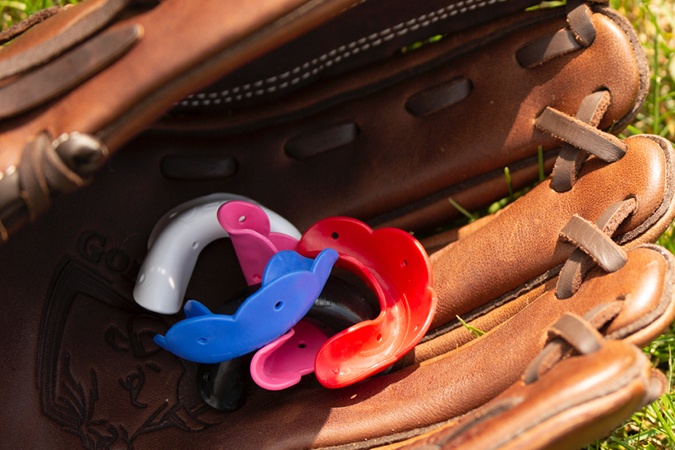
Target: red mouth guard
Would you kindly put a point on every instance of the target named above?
(396, 267)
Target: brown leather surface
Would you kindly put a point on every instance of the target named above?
(524, 239)
(125, 99)
(599, 390)
(70, 320)
(80, 368)
(362, 35)
(400, 169)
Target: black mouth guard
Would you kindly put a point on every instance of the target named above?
(344, 301)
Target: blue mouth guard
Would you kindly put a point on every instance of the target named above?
(290, 285)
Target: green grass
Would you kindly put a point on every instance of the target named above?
(12, 11)
(654, 20)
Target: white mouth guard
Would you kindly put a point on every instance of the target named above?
(175, 244)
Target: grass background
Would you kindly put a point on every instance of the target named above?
(654, 20)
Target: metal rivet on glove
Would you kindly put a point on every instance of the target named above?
(82, 153)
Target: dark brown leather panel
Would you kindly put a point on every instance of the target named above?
(222, 37)
(365, 34)
(419, 162)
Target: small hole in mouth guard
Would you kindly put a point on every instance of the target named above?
(345, 301)
(254, 241)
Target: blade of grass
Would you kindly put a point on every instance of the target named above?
(464, 212)
(475, 331)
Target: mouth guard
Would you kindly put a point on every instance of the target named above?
(281, 364)
(340, 305)
(254, 241)
(290, 285)
(396, 266)
(175, 244)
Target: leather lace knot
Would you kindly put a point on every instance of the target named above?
(47, 168)
(582, 138)
(595, 246)
(572, 334)
(578, 34)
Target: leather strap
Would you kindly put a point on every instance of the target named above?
(574, 331)
(77, 28)
(582, 135)
(595, 243)
(580, 23)
(32, 20)
(570, 158)
(595, 246)
(54, 79)
(579, 33)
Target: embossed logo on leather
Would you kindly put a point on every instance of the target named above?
(100, 375)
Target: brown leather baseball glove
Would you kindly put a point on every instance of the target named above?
(115, 112)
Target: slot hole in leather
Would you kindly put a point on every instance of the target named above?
(316, 142)
(439, 97)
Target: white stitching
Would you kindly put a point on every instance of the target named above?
(315, 66)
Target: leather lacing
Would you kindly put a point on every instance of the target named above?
(19, 28)
(570, 335)
(579, 33)
(595, 246)
(582, 138)
(580, 132)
